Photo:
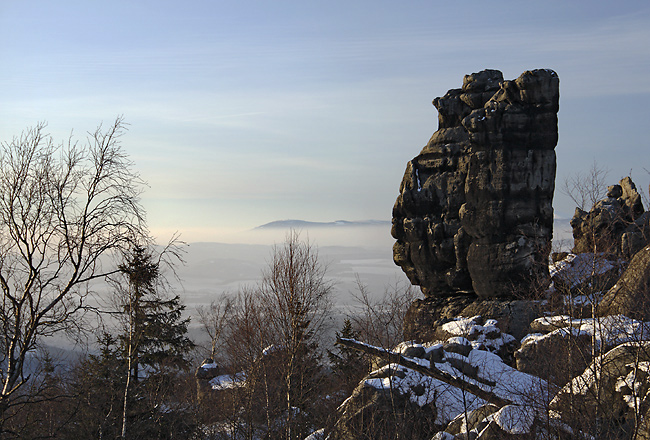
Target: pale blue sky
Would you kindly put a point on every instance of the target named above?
(247, 112)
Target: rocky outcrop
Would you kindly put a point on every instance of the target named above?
(426, 317)
(630, 296)
(583, 278)
(381, 407)
(442, 392)
(557, 356)
(618, 224)
(474, 211)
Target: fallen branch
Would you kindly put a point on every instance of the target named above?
(431, 371)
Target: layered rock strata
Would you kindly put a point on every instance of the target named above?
(474, 211)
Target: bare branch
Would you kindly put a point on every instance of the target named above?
(62, 209)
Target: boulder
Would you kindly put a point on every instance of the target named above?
(378, 412)
(630, 296)
(557, 357)
(613, 389)
(474, 211)
(586, 273)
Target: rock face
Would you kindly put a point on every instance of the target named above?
(475, 206)
(630, 296)
(618, 224)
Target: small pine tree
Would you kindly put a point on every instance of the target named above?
(348, 366)
(157, 332)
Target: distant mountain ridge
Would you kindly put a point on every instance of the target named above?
(303, 224)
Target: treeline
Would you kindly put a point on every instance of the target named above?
(270, 373)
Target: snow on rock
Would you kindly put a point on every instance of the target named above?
(461, 326)
(317, 435)
(209, 365)
(576, 268)
(532, 338)
(621, 377)
(634, 385)
(608, 330)
(460, 340)
(586, 272)
(442, 435)
(583, 300)
(228, 381)
(480, 368)
(478, 333)
(423, 390)
(510, 384)
(514, 419)
(409, 349)
(549, 323)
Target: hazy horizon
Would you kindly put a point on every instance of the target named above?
(242, 113)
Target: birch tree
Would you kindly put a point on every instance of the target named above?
(297, 298)
(63, 208)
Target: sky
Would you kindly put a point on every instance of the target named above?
(242, 113)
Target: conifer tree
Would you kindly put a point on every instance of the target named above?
(157, 330)
(155, 333)
(349, 366)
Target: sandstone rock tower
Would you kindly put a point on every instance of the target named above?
(475, 211)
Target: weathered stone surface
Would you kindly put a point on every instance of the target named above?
(607, 390)
(380, 413)
(425, 316)
(618, 224)
(556, 357)
(474, 211)
(630, 296)
(579, 280)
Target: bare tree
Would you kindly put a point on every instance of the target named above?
(62, 208)
(586, 188)
(297, 297)
(270, 336)
(214, 319)
(247, 338)
(380, 320)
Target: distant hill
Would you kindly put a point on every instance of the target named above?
(302, 224)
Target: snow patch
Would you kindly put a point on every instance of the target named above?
(514, 419)
(578, 268)
(228, 381)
